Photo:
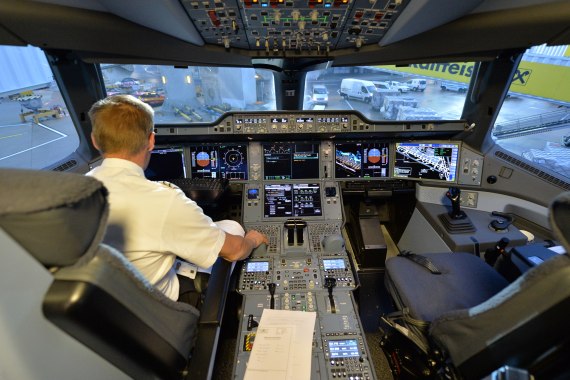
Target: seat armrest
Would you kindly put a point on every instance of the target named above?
(201, 363)
(212, 309)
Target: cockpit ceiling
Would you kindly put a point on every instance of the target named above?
(316, 29)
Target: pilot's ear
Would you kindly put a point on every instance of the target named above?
(151, 141)
(94, 142)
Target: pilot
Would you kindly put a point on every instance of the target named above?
(153, 223)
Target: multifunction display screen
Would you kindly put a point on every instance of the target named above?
(257, 266)
(219, 161)
(330, 264)
(166, 164)
(361, 160)
(426, 160)
(345, 348)
(290, 161)
(292, 199)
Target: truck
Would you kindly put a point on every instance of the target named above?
(357, 89)
(320, 95)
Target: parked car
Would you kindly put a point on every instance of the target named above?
(454, 86)
(399, 86)
(417, 84)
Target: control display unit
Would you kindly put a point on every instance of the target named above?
(344, 348)
(290, 161)
(427, 160)
(219, 161)
(166, 164)
(257, 266)
(362, 160)
(292, 199)
(330, 264)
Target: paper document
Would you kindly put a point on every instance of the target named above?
(283, 345)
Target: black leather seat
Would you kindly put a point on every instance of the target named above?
(97, 296)
(475, 319)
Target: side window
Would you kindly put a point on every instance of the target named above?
(35, 128)
(363, 89)
(534, 121)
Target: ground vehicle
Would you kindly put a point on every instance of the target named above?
(238, 94)
(358, 89)
(453, 86)
(320, 94)
(417, 84)
(399, 86)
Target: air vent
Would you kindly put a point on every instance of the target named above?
(533, 170)
(65, 166)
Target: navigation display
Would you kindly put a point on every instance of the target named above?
(361, 160)
(257, 266)
(166, 164)
(344, 348)
(290, 161)
(219, 161)
(292, 199)
(427, 160)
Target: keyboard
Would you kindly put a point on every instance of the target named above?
(202, 190)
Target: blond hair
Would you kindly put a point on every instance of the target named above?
(121, 124)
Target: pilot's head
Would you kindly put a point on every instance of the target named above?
(122, 127)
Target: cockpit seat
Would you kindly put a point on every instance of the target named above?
(97, 296)
(474, 319)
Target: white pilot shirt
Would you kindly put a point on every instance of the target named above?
(153, 223)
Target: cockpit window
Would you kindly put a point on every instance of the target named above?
(434, 91)
(36, 130)
(194, 94)
(534, 120)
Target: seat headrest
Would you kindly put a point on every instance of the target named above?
(560, 219)
(57, 217)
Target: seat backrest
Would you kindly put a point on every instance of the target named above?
(97, 296)
(519, 324)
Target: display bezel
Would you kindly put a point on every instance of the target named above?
(394, 167)
(267, 215)
(264, 166)
(352, 353)
(244, 150)
(361, 175)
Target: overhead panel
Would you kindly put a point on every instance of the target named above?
(288, 27)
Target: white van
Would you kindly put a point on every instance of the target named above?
(358, 89)
(417, 84)
(320, 94)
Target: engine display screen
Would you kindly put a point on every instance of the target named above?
(292, 199)
(219, 161)
(344, 348)
(361, 160)
(427, 160)
(290, 161)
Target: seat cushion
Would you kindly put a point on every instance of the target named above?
(465, 281)
(57, 217)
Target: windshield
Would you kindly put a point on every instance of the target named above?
(194, 94)
(434, 91)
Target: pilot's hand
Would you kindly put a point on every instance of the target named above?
(256, 237)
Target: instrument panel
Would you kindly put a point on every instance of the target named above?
(339, 160)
